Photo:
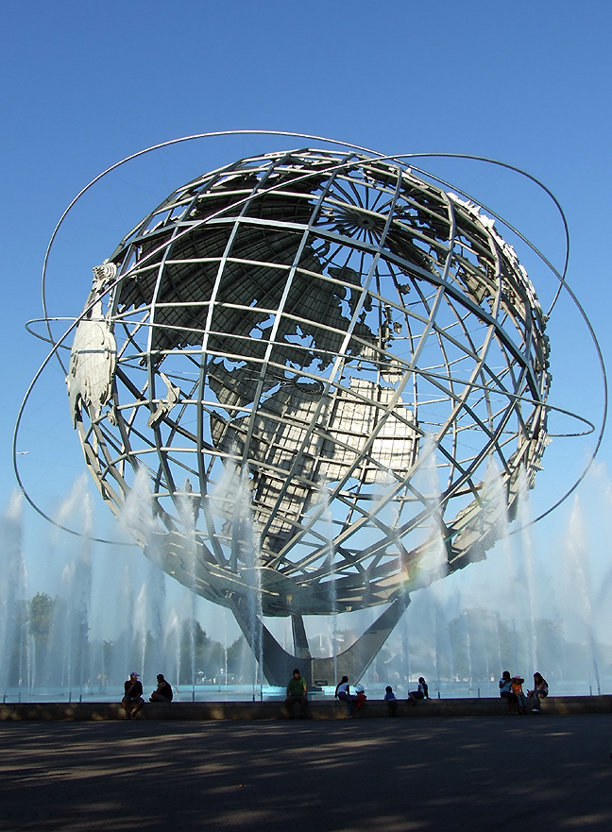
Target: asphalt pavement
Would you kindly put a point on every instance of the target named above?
(396, 775)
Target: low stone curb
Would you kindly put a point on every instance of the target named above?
(274, 710)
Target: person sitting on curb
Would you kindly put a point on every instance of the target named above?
(163, 692)
(540, 691)
(132, 700)
(360, 698)
(391, 701)
(517, 690)
(343, 693)
(296, 693)
(422, 692)
(505, 691)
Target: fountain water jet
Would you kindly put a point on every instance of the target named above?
(66, 654)
(577, 577)
(497, 587)
(14, 655)
(231, 502)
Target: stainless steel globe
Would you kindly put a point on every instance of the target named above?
(314, 356)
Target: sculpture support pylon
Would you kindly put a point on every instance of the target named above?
(353, 662)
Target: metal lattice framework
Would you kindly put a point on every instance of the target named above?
(315, 355)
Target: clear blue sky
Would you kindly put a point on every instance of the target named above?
(86, 84)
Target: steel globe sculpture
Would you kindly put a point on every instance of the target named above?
(314, 356)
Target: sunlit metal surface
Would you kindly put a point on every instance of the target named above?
(315, 355)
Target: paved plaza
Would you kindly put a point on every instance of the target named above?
(472, 773)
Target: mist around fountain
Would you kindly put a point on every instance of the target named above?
(15, 655)
(325, 640)
(540, 601)
(231, 504)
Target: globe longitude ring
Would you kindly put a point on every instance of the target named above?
(316, 358)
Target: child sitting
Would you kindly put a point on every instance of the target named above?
(517, 690)
(360, 699)
(391, 701)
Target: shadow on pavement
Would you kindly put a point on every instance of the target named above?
(347, 776)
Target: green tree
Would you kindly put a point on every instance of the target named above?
(239, 658)
(41, 618)
(194, 642)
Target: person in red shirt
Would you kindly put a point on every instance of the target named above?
(360, 697)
